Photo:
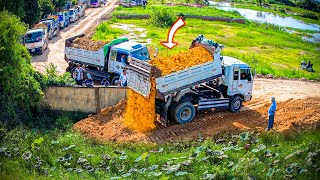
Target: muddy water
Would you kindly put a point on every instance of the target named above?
(266, 17)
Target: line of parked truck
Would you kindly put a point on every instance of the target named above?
(36, 39)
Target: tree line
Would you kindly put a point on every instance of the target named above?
(31, 11)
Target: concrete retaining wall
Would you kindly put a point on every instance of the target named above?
(83, 99)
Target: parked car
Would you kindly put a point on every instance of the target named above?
(95, 3)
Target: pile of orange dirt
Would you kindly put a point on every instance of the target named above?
(182, 60)
(140, 113)
(39, 26)
(88, 44)
(292, 116)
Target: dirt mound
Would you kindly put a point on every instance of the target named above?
(182, 60)
(292, 115)
(88, 44)
(109, 126)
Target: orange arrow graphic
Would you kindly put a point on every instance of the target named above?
(170, 43)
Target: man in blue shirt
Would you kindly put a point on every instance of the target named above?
(271, 113)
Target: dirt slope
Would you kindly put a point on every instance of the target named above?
(55, 52)
(298, 108)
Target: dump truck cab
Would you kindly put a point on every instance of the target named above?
(36, 40)
(73, 13)
(237, 77)
(120, 57)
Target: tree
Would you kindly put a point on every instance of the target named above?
(20, 90)
(59, 3)
(14, 6)
(46, 7)
(32, 12)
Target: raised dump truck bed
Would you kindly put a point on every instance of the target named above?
(140, 74)
(196, 88)
(87, 56)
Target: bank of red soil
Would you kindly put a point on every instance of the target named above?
(292, 115)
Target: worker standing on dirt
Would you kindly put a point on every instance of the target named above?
(123, 78)
(271, 113)
(78, 74)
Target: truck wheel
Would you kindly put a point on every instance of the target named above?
(235, 104)
(184, 112)
(115, 81)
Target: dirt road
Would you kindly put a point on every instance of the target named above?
(298, 107)
(55, 52)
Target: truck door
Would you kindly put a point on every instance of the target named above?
(245, 83)
(112, 59)
(235, 79)
(121, 61)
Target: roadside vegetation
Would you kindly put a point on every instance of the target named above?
(63, 154)
(21, 96)
(31, 11)
(265, 47)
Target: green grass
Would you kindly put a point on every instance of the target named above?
(267, 157)
(177, 10)
(263, 47)
(106, 33)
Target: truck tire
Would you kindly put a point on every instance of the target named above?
(235, 104)
(115, 80)
(184, 112)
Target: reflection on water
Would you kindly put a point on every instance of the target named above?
(266, 17)
(220, 4)
(270, 18)
(315, 38)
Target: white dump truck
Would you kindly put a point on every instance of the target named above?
(36, 39)
(107, 62)
(224, 82)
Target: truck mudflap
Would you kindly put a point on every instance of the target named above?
(139, 76)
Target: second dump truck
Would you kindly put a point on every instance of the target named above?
(107, 61)
(224, 82)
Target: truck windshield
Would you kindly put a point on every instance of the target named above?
(93, 1)
(33, 37)
(71, 12)
(141, 54)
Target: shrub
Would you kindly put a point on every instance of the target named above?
(162, 17)
(21, 95)
(310, 16)
(55, 80)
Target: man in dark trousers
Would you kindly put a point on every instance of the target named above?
(271, 113)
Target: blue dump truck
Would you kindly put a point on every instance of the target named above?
(53, 26)
(64, 19)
